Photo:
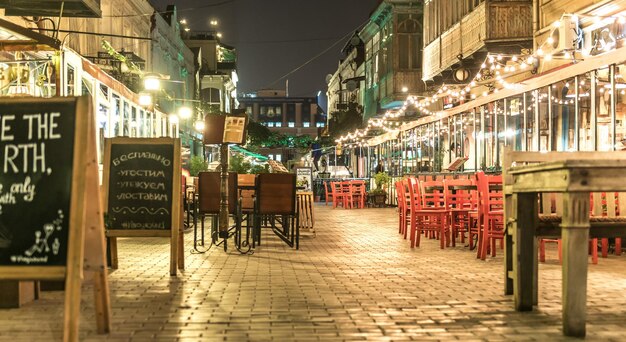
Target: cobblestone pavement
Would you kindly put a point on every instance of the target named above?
(356, 280)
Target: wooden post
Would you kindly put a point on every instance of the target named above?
(524, 248)
(575, 235)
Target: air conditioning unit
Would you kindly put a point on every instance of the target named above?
(564, 35)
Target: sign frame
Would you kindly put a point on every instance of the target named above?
(174, 232)
(86, 251)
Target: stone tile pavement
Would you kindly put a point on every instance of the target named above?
(356, 280)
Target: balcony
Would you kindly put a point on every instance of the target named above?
(52, 8)
(490, 23)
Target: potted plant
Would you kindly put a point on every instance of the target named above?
(378, 196)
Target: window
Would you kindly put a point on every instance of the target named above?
(306, 124)
(279, 124)
(292, 124)
(409, 39)
(270, 124)
(270, 156)
(278, 157)
(320, 124)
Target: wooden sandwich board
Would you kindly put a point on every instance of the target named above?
(142, 192)
(51, 223)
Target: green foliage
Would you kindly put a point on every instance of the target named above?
(256, 169)
(196, 165)
(261, 136)
(239, 164)
(381, 179)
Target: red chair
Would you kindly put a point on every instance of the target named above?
(461, 201)
(491, 214)
(338, 195)
(358, 193)
(403, 207)
(427, 211)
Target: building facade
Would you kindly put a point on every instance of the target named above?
(283, 114)
(345, 85)
(393, 58)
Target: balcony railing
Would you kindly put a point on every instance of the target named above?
(490, 22)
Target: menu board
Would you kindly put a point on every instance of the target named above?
(304, 179)
(140, 186)
(36, 161)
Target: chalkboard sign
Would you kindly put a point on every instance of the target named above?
(49, 194)
(36, 159)
(142, 182)
(140, 186)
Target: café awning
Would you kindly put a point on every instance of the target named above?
(245, 152)
(14, 37)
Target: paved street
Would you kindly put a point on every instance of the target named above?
(356, 280)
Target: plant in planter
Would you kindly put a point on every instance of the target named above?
(197, 164)
(378, 196)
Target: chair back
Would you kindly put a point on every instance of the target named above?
(432, 195)
(247, 195)
(490, 193)
(460, 194)
(401, 195)
(413, 194)
(209, 193)
(276, 194)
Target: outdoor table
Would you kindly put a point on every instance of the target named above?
(575, 179)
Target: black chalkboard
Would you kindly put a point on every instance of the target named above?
(36, 162)
(140, 186)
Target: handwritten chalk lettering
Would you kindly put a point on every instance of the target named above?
(143, 225)
(142, 185)
(141, 155)
(5, 128)
(6, 198)
(43, 126)
(25, 188)
(142, 196)
(142, 173)
(25, 158)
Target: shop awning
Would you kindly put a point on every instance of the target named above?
(245, 152)
(14, 37)
(52, 8)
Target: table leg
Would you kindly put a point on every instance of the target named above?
(575, 235)
(524, 249)
(509, 219)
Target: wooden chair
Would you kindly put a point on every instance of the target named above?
(358, 194)
(491, 213)
(427, 211)
(461, 201)
(276, 201)
(209, 202)
(337, 193)
(403, 207)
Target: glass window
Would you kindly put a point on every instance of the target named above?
(585, 136)
(603, 109)
(620, 108)
(126, 120)
(116, 115)
(514, 116)
(306, 124)
(270, 124)
(133, 122)
(320, 124)
(292, 124)
(278, 157)
(544, 124)
(530, 120)
(278, 124)
(563, 115)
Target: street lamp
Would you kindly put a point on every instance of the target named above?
(200, 126)
(213, 22)
(185, 112)
(152, 83)
(145, 100)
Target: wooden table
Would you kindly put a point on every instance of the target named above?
(575, 179)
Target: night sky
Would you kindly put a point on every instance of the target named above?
(273, 37)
